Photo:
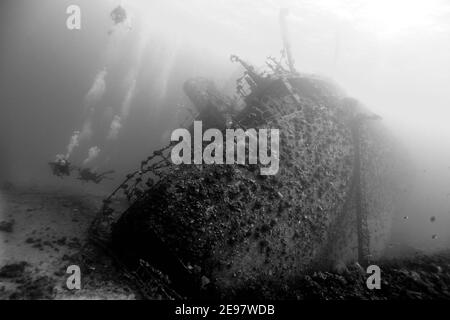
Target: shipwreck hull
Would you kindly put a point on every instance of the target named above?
(227, 230)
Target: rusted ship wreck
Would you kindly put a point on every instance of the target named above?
(227, 231)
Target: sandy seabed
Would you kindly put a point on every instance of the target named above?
(42, 232)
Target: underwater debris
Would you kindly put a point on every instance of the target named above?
(40, 288)
(13, 270)
(7, 226)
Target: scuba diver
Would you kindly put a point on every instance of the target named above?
(118, 15)
(61, 166)
(86, 175)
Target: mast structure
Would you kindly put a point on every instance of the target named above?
(286, 44)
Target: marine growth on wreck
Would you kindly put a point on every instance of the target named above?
(226, 229)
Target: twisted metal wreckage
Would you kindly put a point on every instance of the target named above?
(224, 230)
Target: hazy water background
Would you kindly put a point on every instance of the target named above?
(394, 56)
